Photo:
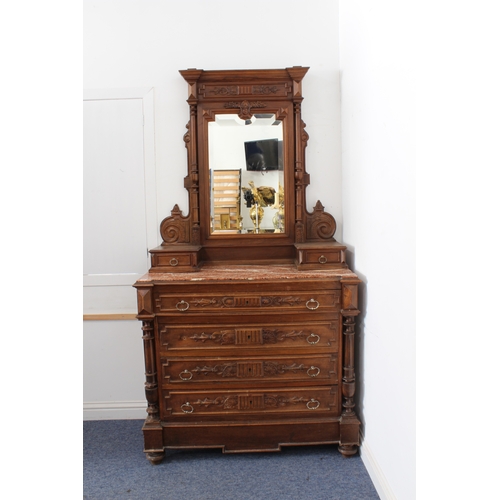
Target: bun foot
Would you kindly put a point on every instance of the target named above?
(348, 450)
(156, 457)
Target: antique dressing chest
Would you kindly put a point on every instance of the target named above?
(249, 308)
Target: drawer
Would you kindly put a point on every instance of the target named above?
(235, 303)
(261, 336)
(178, 259)
(280, 402)
(320, 255)
(188, 371)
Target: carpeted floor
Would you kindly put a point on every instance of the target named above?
(115, 467)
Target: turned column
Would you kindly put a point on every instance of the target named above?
(151, 385)
(349, 423)
(152, 429)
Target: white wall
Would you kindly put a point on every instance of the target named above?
(378, 190)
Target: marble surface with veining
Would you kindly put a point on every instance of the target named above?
(211, 272)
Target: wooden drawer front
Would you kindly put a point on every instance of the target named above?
(173, 259)
(185, 371)
(214, 337)
(323, 257)
(313, 400)
(180, 261)
(193, 304)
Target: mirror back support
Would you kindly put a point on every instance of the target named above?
(246, 177)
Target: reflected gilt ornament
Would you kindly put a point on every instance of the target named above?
(256, 214)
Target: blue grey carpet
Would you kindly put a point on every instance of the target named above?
(115, 467)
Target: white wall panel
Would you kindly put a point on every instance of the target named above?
(113, 371)
(113, 188)
(119, 213)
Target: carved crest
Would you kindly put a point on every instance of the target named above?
(245, 108)
(176, 228)
(320, 224)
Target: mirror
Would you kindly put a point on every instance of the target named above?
(246, 178)
(232, 115)
(247, 181)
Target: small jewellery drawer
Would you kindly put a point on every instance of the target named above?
(316, 256)
(322, 257)
(184, 258)
(214, 337)
(175, 259)
(302, 301)
(221, 403)
(185, 371)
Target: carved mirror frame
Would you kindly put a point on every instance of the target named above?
(308, 236)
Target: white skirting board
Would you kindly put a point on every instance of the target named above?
(114, 410)
(376, 475)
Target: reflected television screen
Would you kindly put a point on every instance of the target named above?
(263, 155)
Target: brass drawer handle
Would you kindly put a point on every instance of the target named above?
(187, 408)
(174, 262)
(310, 306)
(186, 375)
(311, 337)
(182, 306)
(314, 371)
(323, 260)
(313, 404)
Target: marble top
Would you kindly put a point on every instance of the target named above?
(249, 273)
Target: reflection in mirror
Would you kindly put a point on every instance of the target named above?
(246, 174)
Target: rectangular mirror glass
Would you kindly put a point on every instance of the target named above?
(246, 174)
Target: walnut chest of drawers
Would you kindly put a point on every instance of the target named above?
(249, 358)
